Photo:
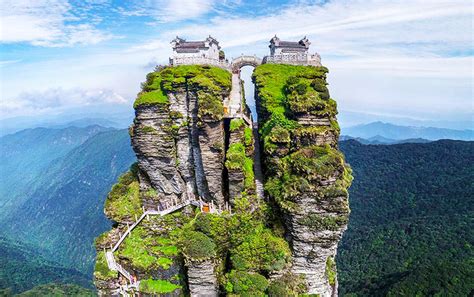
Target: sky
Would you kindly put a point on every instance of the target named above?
(395, 58)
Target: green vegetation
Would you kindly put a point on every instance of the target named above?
(238, 156)
(288, 284)
(248, 136)
(102, 270)
(410, 230)
(207, 82)
(251, 244)
(159, 286)
(197, 245)
(287, 89)
(236, 159)
(298, 173)
(123, 200)
(155, 97)
(57, 290)
(248, 256)
(331, 271)
(246, 284)
(22, 268)
(210, 106)
(146, 252)
(320, 222)
(236, 124)
(148, 129)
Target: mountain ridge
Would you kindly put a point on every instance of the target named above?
(397, 132)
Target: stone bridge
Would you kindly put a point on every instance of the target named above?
(242, 61)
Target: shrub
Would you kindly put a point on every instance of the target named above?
(261, 251)
(320, 222)
(197, 245)
(235, 157)
(246, 284)
(210, 106)
(301, 88)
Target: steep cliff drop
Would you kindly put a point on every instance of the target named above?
(305, 173)
(189, 216)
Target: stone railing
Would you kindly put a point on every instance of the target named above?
(199, 61)
(294, 59)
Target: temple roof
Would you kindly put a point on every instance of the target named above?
(301, 44)
(181, 45)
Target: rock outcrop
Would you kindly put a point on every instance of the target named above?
(234, 241)
(305, 173)
(202, 279)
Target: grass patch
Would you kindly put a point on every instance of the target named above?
(235, 124)
(155, 97)
(157, 286)
(123, 200)
(101, 269)
(145, 251)
(214, 81)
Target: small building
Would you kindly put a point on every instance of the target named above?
(279, 47)
(291, 52)
(195, 52)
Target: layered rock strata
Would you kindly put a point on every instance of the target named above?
(305, 173)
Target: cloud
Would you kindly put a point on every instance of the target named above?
(51, 23)
(57, 99)
(164, 11)
(384, 56)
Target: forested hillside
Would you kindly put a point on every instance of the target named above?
(27, 154)
(410, 229)
(62, 213)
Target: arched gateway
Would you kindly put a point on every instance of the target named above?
(242, 61)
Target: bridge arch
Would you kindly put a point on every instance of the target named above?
(243, 60)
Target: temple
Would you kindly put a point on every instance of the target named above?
(291, 52)
(196, 52)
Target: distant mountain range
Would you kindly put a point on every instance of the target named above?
(382, 140)
(388, 131)
(118, 120)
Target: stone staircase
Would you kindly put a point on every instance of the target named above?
(114, 266)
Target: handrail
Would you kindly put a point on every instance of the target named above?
(114, 266)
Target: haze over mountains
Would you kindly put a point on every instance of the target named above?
(396, 132)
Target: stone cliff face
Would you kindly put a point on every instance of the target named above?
(233, 242)
(305, 173)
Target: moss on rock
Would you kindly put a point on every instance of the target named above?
(123, 201)
(101, 269)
